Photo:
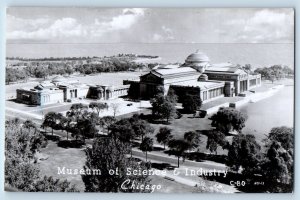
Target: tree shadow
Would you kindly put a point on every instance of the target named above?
(54, 138)
(158, 149)
(200, 157)
(70, 143)
(162, 166)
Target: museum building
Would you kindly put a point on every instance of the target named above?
(195, 77)
(61, 89)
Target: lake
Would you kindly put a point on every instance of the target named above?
(239, 53)
(274, 111)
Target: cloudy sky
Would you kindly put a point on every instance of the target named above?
(140, 25)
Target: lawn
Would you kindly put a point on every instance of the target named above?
(182, 125)
(54, 157)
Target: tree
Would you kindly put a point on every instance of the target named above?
(193, 139)
(163, 107)
(49, 184)
(284, 135)
(87, 129)
(115, 108)
(228, 119)
(41, 72)
(164, 136)
(172, 96)
(244, 152)
(106, 155)
(248, 68)
(21, 174)
(146, 145)
(50, 120)
(10, 75)
(141, 128)
(123, 131)
(215, 138)
(287, 70)
(178, 146)
(65, 125)
(191, 103)
(29, 124)
(272, 73)
(278, 166)
(98, 106)
(106, 121)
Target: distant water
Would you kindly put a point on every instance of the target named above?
(255, 54)
(274, 111)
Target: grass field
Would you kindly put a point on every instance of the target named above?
(55, 157)
(182, 125)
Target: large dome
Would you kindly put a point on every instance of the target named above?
(197, 57)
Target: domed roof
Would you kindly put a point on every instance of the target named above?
(203, 77)
(197, 57)
(59, 79)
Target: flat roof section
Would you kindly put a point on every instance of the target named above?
(204, 85)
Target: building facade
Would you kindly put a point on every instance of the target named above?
(60, 89)
(196, 77)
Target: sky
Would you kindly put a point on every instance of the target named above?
(149, 25)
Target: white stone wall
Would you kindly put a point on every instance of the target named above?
(51, 98)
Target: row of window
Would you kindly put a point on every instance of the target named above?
(213, 93)
(223, 76)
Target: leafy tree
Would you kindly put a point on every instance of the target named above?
(98, 106)
(163, 107)
(228, 119)
(65, 125)
(278, 166)
(41, 72)
(29, 124)
(248, 68)
(123, 131)
(49, 184)
(77, 108)
(287, 70)
(244, 152)
(284, 135)
(274, 72)
(193, 139)
(146, 145)
(10, 75)
(172, 96)
(107, 121)
(178, 146)
(141, 128)
(21, 146)
(164, 136)
(105, 155)
(87, 129)
(215, 139)
(191, 103)
(50, 120)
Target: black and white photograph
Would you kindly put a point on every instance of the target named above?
(149, 100)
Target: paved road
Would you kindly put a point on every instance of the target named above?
(164, 158)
